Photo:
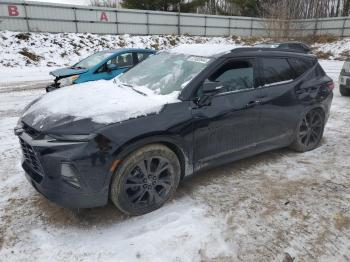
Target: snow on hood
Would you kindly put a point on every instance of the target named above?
(206, 50)
(103, 101)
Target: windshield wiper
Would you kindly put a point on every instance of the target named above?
(137, 91)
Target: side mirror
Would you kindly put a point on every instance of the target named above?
(111, 67)
(211, 88)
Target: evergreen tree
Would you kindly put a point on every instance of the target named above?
(163, 5)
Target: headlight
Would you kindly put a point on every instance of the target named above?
(67, 81)
(73, 138)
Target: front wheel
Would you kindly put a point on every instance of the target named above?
(145, 180)
(310, 131)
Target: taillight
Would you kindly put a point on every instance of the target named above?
(330, 85)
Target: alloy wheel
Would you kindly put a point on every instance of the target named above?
(311, 128)
(149, 182)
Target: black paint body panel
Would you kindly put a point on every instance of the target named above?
(228, 128)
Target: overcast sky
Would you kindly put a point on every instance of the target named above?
(72, 2)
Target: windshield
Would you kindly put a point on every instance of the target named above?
(165, 72)
(92, 60)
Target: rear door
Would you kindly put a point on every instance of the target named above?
(280, 108)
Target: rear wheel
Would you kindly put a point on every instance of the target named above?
(344, 91)
(310, 131)
(145, 180)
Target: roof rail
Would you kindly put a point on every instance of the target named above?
(268, 49)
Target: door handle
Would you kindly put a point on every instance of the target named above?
(253, 103)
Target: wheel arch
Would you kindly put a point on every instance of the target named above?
(182, 152)
(319, 107)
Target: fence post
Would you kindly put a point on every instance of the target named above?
(315, 30)
(26, 16)
(116, 21)
(75, 19)
(251, 27)
(229, 26)
(147, 22)
(343, 29)
(178, 24)
(205, 25)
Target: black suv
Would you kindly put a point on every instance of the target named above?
(132, 139)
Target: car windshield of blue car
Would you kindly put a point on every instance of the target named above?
(165, 72)
(92, 60)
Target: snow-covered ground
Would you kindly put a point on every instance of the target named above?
(63, 49)
(256, 209)
(30, 57)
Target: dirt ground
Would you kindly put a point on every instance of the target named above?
(277, 206)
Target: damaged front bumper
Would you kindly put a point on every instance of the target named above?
(52, 87)
(71, 174)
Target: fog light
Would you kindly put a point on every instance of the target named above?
(69, 175)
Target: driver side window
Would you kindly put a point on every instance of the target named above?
(120, 61)
(124, 60)
(235, 76)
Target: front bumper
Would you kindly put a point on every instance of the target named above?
(52, 87)
(42, 162)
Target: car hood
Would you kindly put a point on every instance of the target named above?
(64, 72)
(91, 105)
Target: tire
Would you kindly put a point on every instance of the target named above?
(309, 132)
(145, 180)
(344, 91)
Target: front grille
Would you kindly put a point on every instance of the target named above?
(30, 158)
(30, 131)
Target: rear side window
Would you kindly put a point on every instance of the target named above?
(297, 47)
(319, 70)
(301, 65)
(142, 56)
(123, 60)
(276, 71)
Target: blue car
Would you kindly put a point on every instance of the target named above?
(101, 65)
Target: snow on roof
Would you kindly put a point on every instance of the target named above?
(206, 50)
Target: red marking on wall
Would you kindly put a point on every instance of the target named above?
(13, 10)
(104, 17)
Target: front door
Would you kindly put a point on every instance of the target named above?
(115, 66)
(227, 127)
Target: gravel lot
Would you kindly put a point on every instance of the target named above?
(270, 207)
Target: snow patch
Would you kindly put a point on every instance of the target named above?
(65, 49)
(205, 50)
(103, 101)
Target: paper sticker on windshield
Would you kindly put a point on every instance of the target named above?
(198, 59)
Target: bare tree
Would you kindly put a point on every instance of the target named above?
(106, 3)
(284, 17)
(277, 14)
